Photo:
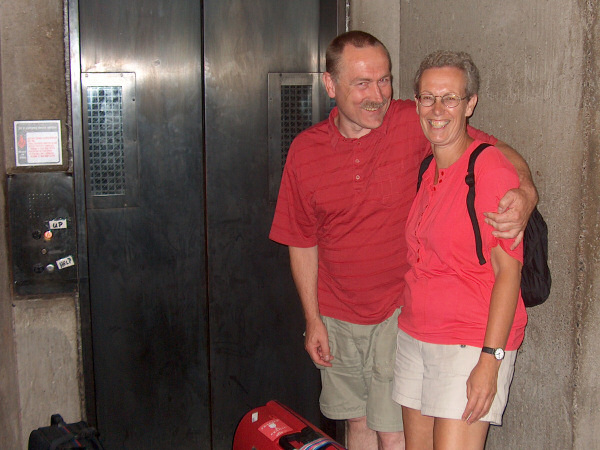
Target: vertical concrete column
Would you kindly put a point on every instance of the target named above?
(530, 56)
(539, 63)
(587, 296)
(10, 423)
(39, 355)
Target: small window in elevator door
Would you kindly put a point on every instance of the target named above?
(296, 101)
(110, 139)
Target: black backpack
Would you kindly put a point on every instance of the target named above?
(535, 274)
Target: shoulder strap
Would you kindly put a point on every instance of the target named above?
(470, 180)
(424, 165)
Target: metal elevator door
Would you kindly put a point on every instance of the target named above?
(193, 317)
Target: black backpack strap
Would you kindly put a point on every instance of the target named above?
(470, 180)
(424, 165)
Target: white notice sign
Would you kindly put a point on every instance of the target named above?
(38, 143)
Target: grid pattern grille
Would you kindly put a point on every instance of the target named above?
(296, 115)
(106, 149)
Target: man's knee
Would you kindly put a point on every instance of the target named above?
(357, 422)
(391, 440)
(360, 436)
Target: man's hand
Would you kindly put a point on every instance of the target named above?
(316, 342)
(513, 214)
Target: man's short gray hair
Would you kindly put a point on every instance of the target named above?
(356, 38)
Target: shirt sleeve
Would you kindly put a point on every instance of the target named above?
(294, 223)
(494, 176)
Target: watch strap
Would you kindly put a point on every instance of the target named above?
(497, 353)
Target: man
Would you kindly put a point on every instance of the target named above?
(345, 195)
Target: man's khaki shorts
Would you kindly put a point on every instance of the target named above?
(359, 383)
(433, 378)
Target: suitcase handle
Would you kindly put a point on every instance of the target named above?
(306, 435)
(88, 433)
(56, 420)
(309, 438)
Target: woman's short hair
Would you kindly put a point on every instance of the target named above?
(356, 38)
(448, 58)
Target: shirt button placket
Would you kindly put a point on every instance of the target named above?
(357, 165)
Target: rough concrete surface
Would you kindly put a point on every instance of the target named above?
(47, 361)
(539, 68)
(39, 361)
(33, 65)
(9, 395)
(587, 377)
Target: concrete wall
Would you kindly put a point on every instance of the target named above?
(539, 66)
(39, 340)
(10, 424)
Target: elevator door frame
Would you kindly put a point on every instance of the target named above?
(341, 8)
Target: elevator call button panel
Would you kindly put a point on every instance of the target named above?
(42, 231)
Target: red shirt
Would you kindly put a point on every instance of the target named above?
(447, 295)
(351, 198)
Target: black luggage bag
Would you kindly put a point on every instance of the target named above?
(60, 436)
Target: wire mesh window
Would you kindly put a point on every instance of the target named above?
(296, 115)
(110, 139)
(105, 144)
(296, 101)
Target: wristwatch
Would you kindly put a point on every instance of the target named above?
(497, 352)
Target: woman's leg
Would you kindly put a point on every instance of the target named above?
(452, 434)
(418, 429)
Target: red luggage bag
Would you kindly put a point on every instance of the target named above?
(275, 426)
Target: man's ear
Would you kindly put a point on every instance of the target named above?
(329, 84)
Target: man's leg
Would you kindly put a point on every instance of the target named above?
(384, 414)
(360, 436)
(391, 440)
(344, 389)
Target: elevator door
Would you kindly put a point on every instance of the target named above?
(194, 317)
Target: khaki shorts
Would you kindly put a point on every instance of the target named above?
(359, 383)
(432, 378)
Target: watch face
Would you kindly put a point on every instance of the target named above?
(499, 353)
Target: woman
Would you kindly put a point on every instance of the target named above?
(462, 322)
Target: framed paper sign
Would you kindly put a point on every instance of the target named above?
(38, 143)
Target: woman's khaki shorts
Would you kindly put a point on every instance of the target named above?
(432, 378)
(359, 383)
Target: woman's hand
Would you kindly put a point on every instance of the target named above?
(481, 388)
